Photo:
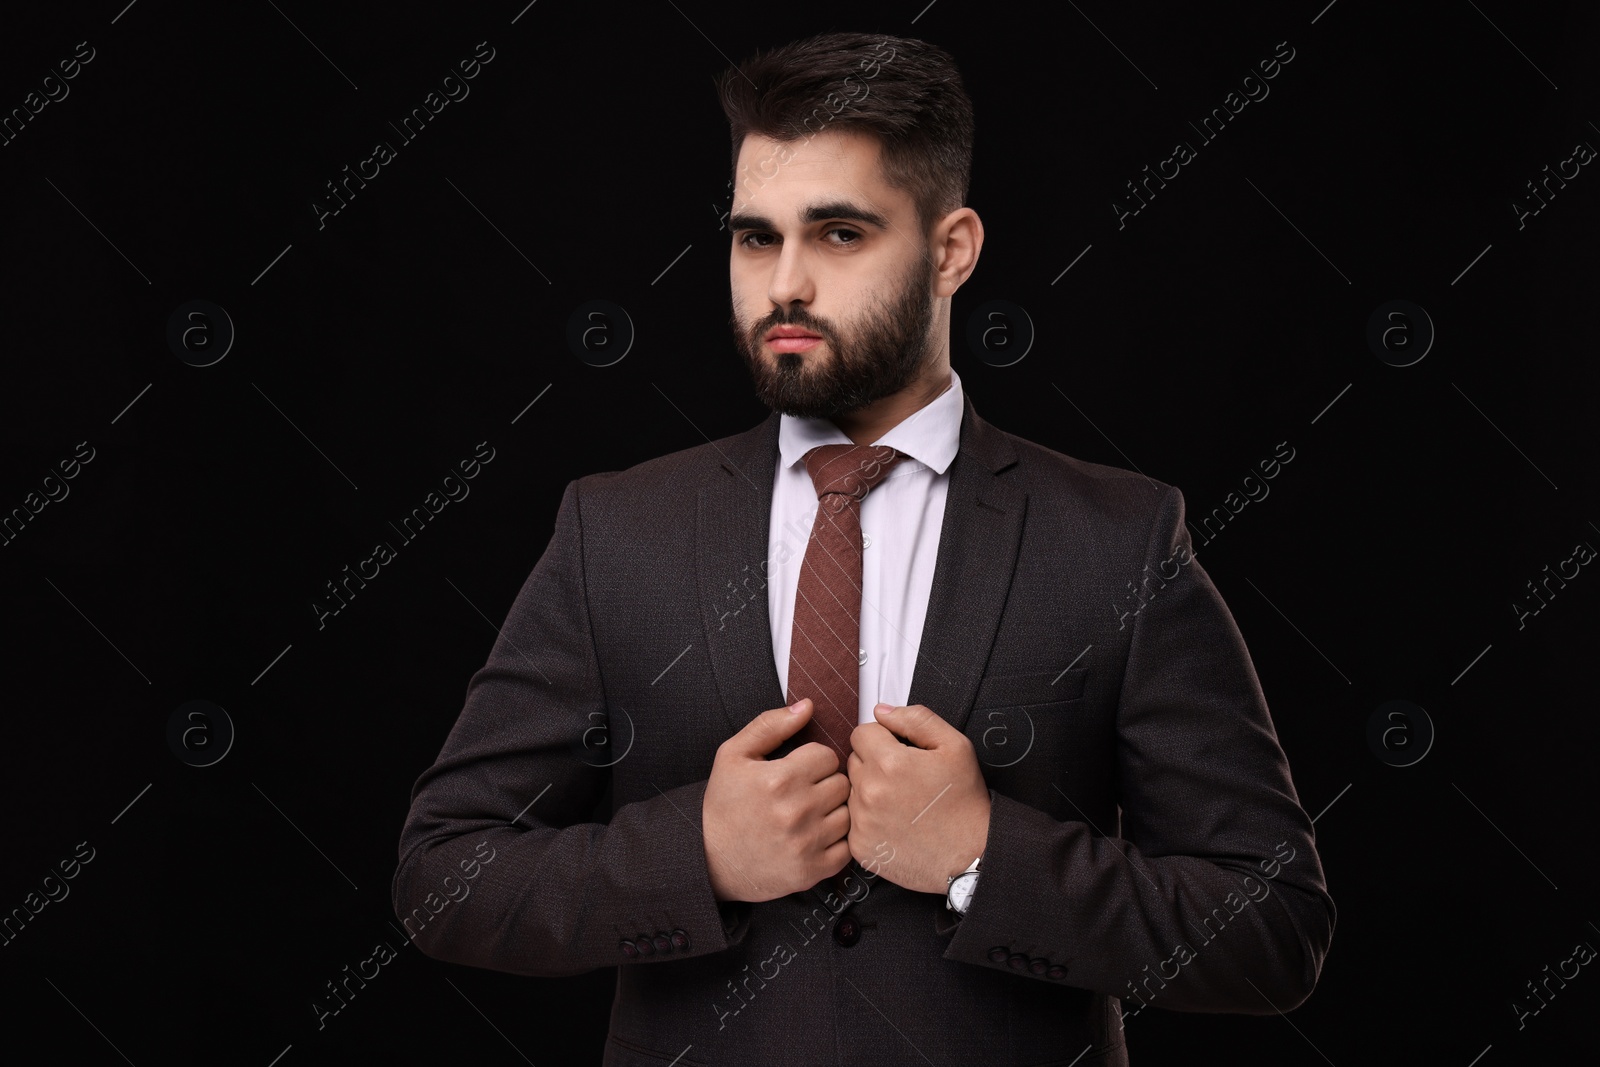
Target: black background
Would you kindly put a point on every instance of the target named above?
(590, 161)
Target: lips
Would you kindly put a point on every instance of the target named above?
(791, 339)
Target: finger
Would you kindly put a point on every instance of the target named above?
(836, 789)
(870, 740)
(815, 760)
(916, 723)
(770, 729)
(836, 825)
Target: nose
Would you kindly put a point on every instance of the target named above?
(791, 281)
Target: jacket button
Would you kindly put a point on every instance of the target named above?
(1056, 971)
(998, 954)
(1038, 964)
(1018, 961)
(663, 946)
(680, 940)
(847, 931)
(629, 949)
(645, 947)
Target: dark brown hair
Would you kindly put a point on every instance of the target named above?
(905, 92)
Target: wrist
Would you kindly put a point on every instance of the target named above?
(975, 843)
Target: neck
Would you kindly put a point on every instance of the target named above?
(866, 425)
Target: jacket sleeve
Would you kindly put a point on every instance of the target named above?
(499, 867)
(1214, 897)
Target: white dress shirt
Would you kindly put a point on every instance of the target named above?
(900, 522)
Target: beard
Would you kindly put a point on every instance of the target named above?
(882, 354)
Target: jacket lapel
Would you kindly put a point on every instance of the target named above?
(972, 573)
(978, 543)
(732, 516)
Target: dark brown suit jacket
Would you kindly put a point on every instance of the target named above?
(1146, 845)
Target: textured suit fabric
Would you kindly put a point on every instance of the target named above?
(824, 650)
(1137, 786)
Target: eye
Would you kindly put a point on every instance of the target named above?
(756, 239)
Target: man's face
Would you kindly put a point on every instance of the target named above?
(823, 246)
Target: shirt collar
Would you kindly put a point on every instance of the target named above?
(931, 435)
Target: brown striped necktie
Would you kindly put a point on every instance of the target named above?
(824, 649)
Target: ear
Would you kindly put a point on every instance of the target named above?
(956, 242)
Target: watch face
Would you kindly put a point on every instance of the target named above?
(961, 890)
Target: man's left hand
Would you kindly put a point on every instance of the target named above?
(927, 800)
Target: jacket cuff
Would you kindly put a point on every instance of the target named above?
(987, 935)
(693, 922)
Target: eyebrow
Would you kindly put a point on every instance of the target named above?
(817, 212)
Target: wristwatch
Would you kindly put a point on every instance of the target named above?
(958, 895)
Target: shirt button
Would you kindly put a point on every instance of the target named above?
(866, 540)
(861, 657)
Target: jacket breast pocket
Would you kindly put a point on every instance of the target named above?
(1030, 688)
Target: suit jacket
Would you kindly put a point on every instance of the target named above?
(1145, 845)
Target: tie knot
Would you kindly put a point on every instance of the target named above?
(850, 471)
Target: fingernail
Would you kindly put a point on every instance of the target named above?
(795, 707)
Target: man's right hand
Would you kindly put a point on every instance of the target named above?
(774, 827)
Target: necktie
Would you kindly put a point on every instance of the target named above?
(824, 649)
